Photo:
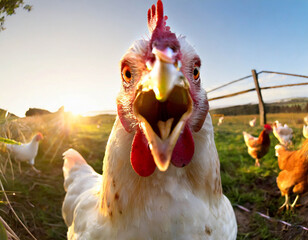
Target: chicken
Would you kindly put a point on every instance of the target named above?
(294, 171)
(26, 152)
(305, 131)
(220, 121)
(258, 147)
(162, 122)
(283, 133)
(252, 122)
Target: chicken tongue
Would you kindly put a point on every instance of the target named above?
(162, 148)
(165, 128)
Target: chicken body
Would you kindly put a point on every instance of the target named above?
(258, 146)
(161, 171)
(283, 133)
(181, 203)
(26, 152)
(294, 171)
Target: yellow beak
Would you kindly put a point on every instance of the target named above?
(164, 76)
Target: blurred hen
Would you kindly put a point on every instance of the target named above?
(283, 133)
(258, 146)
(26, 152)
(293, 177)
(220, 121)
(252, 122)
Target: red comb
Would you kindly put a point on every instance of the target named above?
(161, 37)
(39, 136)
(268, 127)
(156, 18)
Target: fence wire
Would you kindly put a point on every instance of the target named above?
(238, 80)
(253, 89)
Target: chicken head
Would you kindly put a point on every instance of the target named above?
(161, 100)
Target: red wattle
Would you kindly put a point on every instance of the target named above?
(184, 149)
(141, 157)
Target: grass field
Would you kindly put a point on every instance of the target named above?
(37, 198)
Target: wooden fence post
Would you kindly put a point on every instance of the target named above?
(262, 111)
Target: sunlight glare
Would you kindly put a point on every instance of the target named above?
(76, 106)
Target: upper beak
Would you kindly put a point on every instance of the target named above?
(163, 106)
(165, 74)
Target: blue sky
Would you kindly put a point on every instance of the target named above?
(67, 52)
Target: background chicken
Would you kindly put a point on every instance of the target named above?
(294, 171)
(220, 121)
(252, 122)
(305, 131)
(163, 123)
(283, 133)
(258, 146)
(26, 152)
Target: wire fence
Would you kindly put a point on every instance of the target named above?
(253, 89)
(257, 88)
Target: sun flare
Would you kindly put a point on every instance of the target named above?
(77, 106)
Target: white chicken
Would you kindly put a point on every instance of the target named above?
(220, 121)
(283, 133)
(26, 152)
(252, 122)
(163, 123)
(305, 131)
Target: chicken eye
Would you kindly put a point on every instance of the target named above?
(126, 74)
(196, 72)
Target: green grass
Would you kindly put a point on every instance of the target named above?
(37, 199)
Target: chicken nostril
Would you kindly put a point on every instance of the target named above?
(178, 65)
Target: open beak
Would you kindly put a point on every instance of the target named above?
(163, 105)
